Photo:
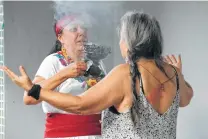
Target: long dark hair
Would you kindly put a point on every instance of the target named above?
(57, 46)
(143, 36)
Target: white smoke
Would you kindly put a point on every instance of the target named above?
(95, 14)
(90, 11)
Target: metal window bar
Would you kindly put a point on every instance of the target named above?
(2, 79)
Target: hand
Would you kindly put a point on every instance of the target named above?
(171, 59)
(75, 69)
(22, 81)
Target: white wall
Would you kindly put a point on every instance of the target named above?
(185, 27)
(29, 36)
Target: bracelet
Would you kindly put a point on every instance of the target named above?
(35, 91)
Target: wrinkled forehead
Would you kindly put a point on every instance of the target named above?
(77, 23)
(79, 20)
(84, 21)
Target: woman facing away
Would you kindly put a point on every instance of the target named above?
(68, 53)
(141, 98)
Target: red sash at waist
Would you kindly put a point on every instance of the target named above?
(68, 125)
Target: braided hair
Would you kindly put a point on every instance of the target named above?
(143, 36)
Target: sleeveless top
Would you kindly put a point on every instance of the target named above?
(148, 125)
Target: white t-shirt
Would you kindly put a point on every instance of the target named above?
(48, 68)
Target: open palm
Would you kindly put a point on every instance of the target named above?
(171, 59)
(22, 81)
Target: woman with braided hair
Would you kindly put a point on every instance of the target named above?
(140, 98)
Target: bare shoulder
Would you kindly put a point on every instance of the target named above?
(178, 71)
(118, 74)
(171, 69)
(121, 70)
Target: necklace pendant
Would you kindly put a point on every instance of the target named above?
(162, 88)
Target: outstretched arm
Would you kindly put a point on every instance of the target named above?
(50, 84)
(104, 94)
(71, 71)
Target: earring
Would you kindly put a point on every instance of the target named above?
(63, 50)
(127, 60)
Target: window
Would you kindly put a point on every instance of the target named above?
(2, 93)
